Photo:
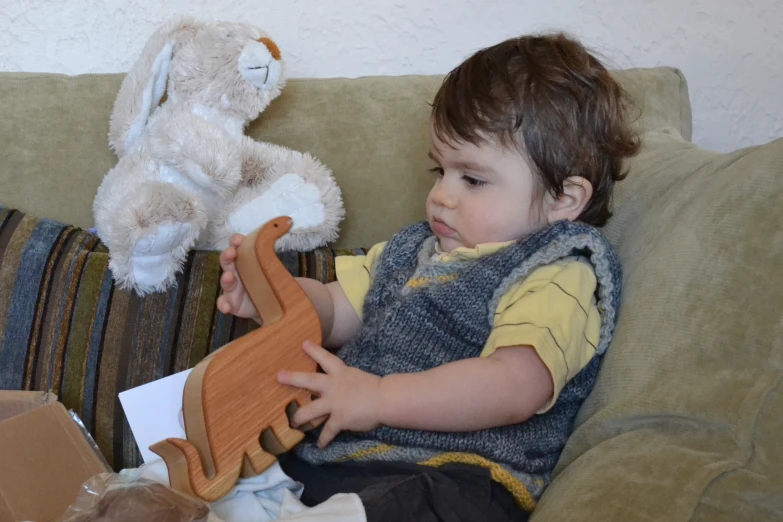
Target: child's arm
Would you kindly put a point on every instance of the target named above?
(339, 321)
(507, 387)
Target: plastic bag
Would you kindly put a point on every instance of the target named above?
(109, 497)
(88, 437)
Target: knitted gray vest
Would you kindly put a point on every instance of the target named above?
(421, 313)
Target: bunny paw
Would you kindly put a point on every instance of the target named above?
(289, 196)
(157, 253)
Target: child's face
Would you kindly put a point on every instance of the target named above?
(482, 194)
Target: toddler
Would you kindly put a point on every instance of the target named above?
(465, 344)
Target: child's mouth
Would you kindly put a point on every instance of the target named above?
(441, 229)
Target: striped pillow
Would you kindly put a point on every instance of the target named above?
(65, 327)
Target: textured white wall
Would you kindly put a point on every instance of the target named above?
(730, 50)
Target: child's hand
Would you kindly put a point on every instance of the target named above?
(350, 397)
(234, 299)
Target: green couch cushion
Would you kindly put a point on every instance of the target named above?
(65, 327)
(685, 420)
(372, 133)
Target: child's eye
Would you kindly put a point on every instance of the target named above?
(436, 170)
(474, 182)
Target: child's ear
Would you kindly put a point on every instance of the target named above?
(577, 192)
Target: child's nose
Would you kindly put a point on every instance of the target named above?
(443, 194)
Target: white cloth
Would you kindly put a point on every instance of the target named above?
(342, 507)
(272, 495)
(154, 412)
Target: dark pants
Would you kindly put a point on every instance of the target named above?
(399, 492)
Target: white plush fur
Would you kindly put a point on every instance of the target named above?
(188, 177)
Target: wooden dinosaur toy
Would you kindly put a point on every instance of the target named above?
(236, 413)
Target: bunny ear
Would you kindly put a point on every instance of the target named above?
(144, 85)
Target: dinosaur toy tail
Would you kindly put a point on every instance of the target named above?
(186, 470)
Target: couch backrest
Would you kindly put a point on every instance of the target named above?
(370, 131)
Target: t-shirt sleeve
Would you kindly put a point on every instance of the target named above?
(354, 274)
(554, 311)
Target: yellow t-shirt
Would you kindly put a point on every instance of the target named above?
(552, 310)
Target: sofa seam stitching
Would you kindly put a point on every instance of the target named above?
(752, 448)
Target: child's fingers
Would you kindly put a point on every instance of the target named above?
(236, 240)
(228, 281)
(224, 305)
(320, 420)
(309, 412)
(315, 382)
(328, 433)
(326, 359)
(227, 258)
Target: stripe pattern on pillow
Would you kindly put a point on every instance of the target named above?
(65, 327)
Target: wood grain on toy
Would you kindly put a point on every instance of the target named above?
(236, 413)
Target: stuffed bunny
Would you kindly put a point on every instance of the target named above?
(187, 176)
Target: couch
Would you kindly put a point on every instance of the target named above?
(686, 417)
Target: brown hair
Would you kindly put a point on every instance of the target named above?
(554, 101)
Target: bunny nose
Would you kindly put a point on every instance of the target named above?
(274, 50)
(257, 64)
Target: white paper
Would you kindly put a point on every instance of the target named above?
(154, 412)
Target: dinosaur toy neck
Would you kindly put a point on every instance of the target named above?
(269, 284)
(286, 290)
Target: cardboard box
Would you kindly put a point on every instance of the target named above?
(44, 457)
